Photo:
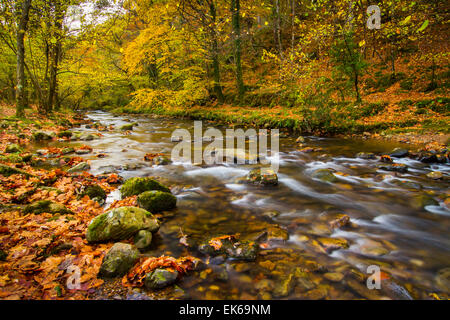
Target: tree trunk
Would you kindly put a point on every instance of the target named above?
(21, 29)
(215, 54)
(235, 11)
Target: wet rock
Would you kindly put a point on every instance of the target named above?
(82, 166)
(366, 156)
(317, 294)
(300, 140)
(64, 134)
(284, 286)
(274, 233)
(42, 135)
(339, 221)
(332, 244)
(435, 175)
(127, 127)
(136, 186)
(160, 278)
(303, 279)
(82, 151)
(161, 161)
(265, 285)
(94, 192)
(46, 206)
(394, 290)
(443, 279)
(334, 276)
(232, 248)
(423, 200)
(396, 167)
(7, 171)
(119, 260)
(157, 201)
(13, 148)
(271, 214)
(428, 157)
(325, 175)
(262, 176)
(143, 239)
(67, 150)
(120, 224)
(399, 153)
(219, 272)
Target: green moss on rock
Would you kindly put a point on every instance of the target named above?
(136, 186)
(157, 201)
(120, 224)
(119, 259)
(46, 206)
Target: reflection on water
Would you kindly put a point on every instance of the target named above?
(390, 225)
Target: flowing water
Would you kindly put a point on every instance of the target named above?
(389, 225)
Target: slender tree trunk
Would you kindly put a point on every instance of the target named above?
(21, 29)
(277, 26)
(235, 11)
(215, 55)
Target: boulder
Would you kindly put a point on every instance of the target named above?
(366, 156)
(46, 206)
(127, 127)
(136, 186)
(13, 148)
(399, 153)
(42, 135)
(64, 134)
(156, 201)
(120, 223)
(262, 177)
(94, 192)
(396, 167)
(325, 175)
(160, 278)
(143, 239)
(161, 161)
(119, 260)
(82, 166)
(435, 175)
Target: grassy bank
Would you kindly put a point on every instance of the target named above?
(420, 116)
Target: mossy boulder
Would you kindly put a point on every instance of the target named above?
(13, 158)
(160, 278)
(399, 153)
(13, 148)
(82, 166)
(64, 134)
(42, 135)
(119, 260)
(94, 192)
(366, 156)
(120, 224)
(136, 186)
(143, 239)
(325, 175)
(161, 161)
(262, 176)
(46, 206)
(157, 201)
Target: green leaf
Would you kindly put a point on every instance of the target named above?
(424, 25)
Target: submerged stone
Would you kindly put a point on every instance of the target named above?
(332, 244)
(160, 278)
(239, 250)
(325, 175)
(423, 200)
(435, 175)
(366, 156)
(119, 259)
(262, 176)
(161, 161)
(396, 167)
(157, 201)
(136, 186)
(120, 223)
